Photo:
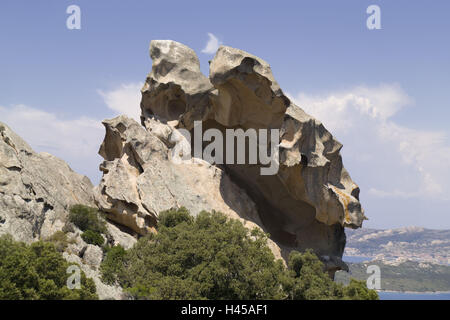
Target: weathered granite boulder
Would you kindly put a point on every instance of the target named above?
(306, 204)
(140, 180)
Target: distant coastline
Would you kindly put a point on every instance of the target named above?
(408, 277)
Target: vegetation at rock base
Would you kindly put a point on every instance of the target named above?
(209, 257)
(90, 222)
(37, 272)
(93, 237)
(213, 257)
(307, 281)
(87, 218)
(112, 266)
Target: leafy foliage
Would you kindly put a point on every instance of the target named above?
(307, 281)
(37, 271)
(112, 265)
(93, 237)
(87, 218)
(357, 290)
(209, 257)
(213, 257)
(171, 218)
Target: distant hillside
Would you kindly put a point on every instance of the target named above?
(406, 276)
(409, 243)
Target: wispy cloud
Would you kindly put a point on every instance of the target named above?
(124, 99)
(394, 160)
(74, 140)
(212, 45)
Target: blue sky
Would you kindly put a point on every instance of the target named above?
(383, 93)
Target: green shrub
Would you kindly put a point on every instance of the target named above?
(87, 218)
(308, 281)
(37, 271)
(357, 290)
(209, 257)
(113, 265)
(170, 218)
(93, 237)
(213, 257)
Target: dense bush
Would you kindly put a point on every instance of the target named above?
(37, 271)
(212, 257)
(357, 290)
(307, 281)
(89, 221)
(87, 218)
(93, 237)
(171, 218)
(112, 266)
(209, 257)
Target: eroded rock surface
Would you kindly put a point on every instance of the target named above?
(139, 180)
(36, 189)
(306, 204)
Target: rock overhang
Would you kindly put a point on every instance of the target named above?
(243, 93)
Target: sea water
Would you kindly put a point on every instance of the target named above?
(413, 296)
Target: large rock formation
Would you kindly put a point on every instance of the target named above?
(306, 204)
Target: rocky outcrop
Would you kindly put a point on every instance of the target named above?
(36, 189)
(305, 204)
(139, 180)
(36, 192)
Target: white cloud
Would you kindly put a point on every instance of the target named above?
(393, 160)
(76, 141)
(212, 45)
(124, 100)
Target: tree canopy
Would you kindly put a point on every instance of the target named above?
(214, 257)
(37, 272)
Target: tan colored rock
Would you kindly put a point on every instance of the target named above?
(175, 85)
(150, 183)
(119, 237)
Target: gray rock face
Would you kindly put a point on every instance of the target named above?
(36, 189)
(306, 204)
